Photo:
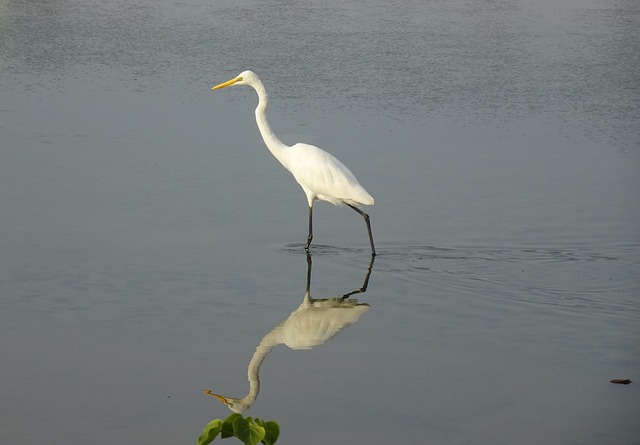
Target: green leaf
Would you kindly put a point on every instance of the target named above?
(210, 432)
(249, 432)
(227, 425)
(272, 432)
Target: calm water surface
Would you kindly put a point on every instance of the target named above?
(151, 247)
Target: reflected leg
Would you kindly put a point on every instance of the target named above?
(365, 283)
(308, 288)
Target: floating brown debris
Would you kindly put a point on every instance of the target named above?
(621, 381)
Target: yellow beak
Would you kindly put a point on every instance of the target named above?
(217, 396)
(227, 83)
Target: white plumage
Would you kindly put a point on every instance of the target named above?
(322, 176)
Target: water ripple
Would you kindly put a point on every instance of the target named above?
(598, 279)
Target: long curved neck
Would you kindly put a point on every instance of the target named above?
(253, 371)
(275, 145)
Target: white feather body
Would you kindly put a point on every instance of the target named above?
(324, 177)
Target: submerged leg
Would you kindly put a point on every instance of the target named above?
(310, 237)
(366, 220)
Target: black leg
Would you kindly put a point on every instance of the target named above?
(310, 237)
(366, 220)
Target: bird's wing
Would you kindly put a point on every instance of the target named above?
(325, 176)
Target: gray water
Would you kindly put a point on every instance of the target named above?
(149, 242)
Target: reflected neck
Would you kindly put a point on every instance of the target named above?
(253, 371)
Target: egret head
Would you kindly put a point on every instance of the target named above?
(244, 78)
(235, 405)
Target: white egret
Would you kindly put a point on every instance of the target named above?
(321, 175)
(313, 323)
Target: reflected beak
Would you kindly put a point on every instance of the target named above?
(208, 392)
(221, 398)
(227, 83)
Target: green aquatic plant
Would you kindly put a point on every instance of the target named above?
(249, 430)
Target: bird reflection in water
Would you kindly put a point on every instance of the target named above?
(313, 323)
